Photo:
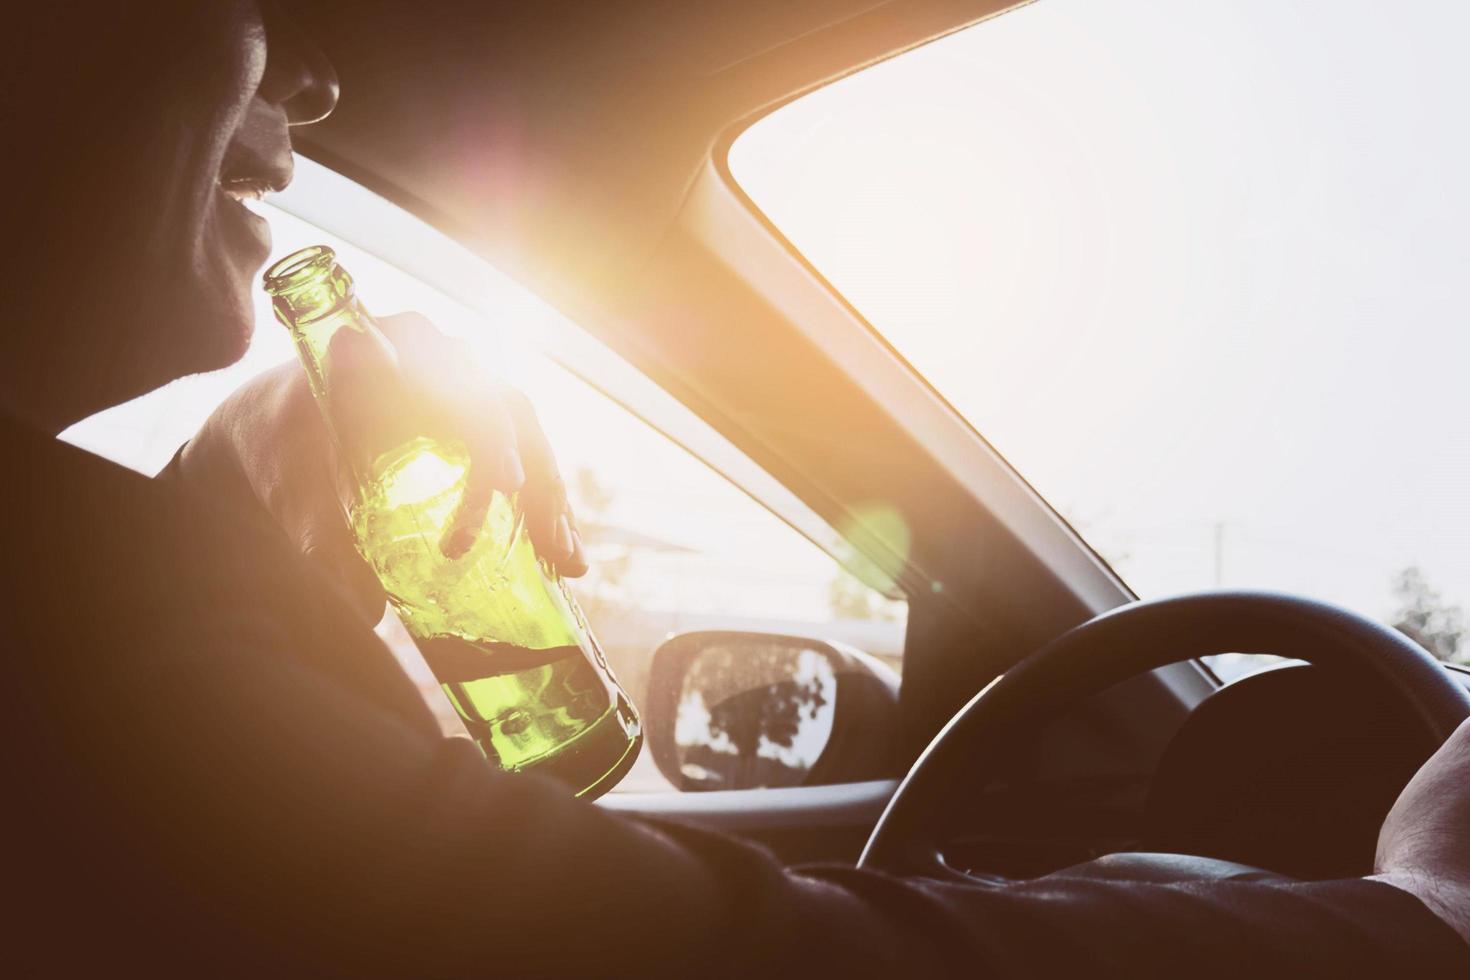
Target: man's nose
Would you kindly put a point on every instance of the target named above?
(298, 77)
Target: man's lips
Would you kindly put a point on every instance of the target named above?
(248, 232)
(250, 174)
(247, 188)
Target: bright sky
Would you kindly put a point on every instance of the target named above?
(1184, 264)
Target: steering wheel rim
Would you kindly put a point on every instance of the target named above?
(1122, 643)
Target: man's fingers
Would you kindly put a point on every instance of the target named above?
(467, 404)
(574, 565)
(495, 464)
(443, 375)
(508, 451)
(549, 517)
(410, 333)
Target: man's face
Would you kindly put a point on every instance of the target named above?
(266, 78)
(139, 153)
(272, 79)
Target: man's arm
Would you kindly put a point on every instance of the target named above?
(346, 836)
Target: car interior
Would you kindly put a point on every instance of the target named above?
(1043, 717)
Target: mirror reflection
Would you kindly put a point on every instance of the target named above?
(753, 714)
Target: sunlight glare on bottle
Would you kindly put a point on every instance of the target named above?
(496, 624)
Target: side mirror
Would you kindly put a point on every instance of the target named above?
(732, 710)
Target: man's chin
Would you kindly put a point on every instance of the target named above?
(237, 244)
(210, 339)
(232, 353)
(224, 344)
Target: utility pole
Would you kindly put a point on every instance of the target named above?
(1219, 554)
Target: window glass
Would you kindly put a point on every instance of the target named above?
(673, 545)
(1196, 270)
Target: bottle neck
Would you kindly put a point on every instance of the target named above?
(319, 341)
(352, 369)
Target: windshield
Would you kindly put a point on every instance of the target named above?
(1196, 270)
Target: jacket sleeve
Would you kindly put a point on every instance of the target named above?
(347, 837)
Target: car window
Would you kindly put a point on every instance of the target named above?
(674, 546)
(1196, 270)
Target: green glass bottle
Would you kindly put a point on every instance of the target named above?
(496, 624)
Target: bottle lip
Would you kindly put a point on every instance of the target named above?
(298, 268)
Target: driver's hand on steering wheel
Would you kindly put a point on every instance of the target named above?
(1424, 845)
(268, 443)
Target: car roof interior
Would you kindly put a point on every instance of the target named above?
(560, 138)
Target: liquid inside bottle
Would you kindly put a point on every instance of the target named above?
(496, 625)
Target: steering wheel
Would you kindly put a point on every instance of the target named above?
(1115, 646)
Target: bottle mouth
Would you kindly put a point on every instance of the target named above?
(299, 268)
(307, 285)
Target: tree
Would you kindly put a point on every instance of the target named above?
(600, 590)
(590, 494)
(758, 696)
(760, 691)
(1424, 617)
(848, 598)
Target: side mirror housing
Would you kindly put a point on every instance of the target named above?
(736, 710)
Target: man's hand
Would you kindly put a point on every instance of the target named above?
(1424, 845)
(268, 444)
